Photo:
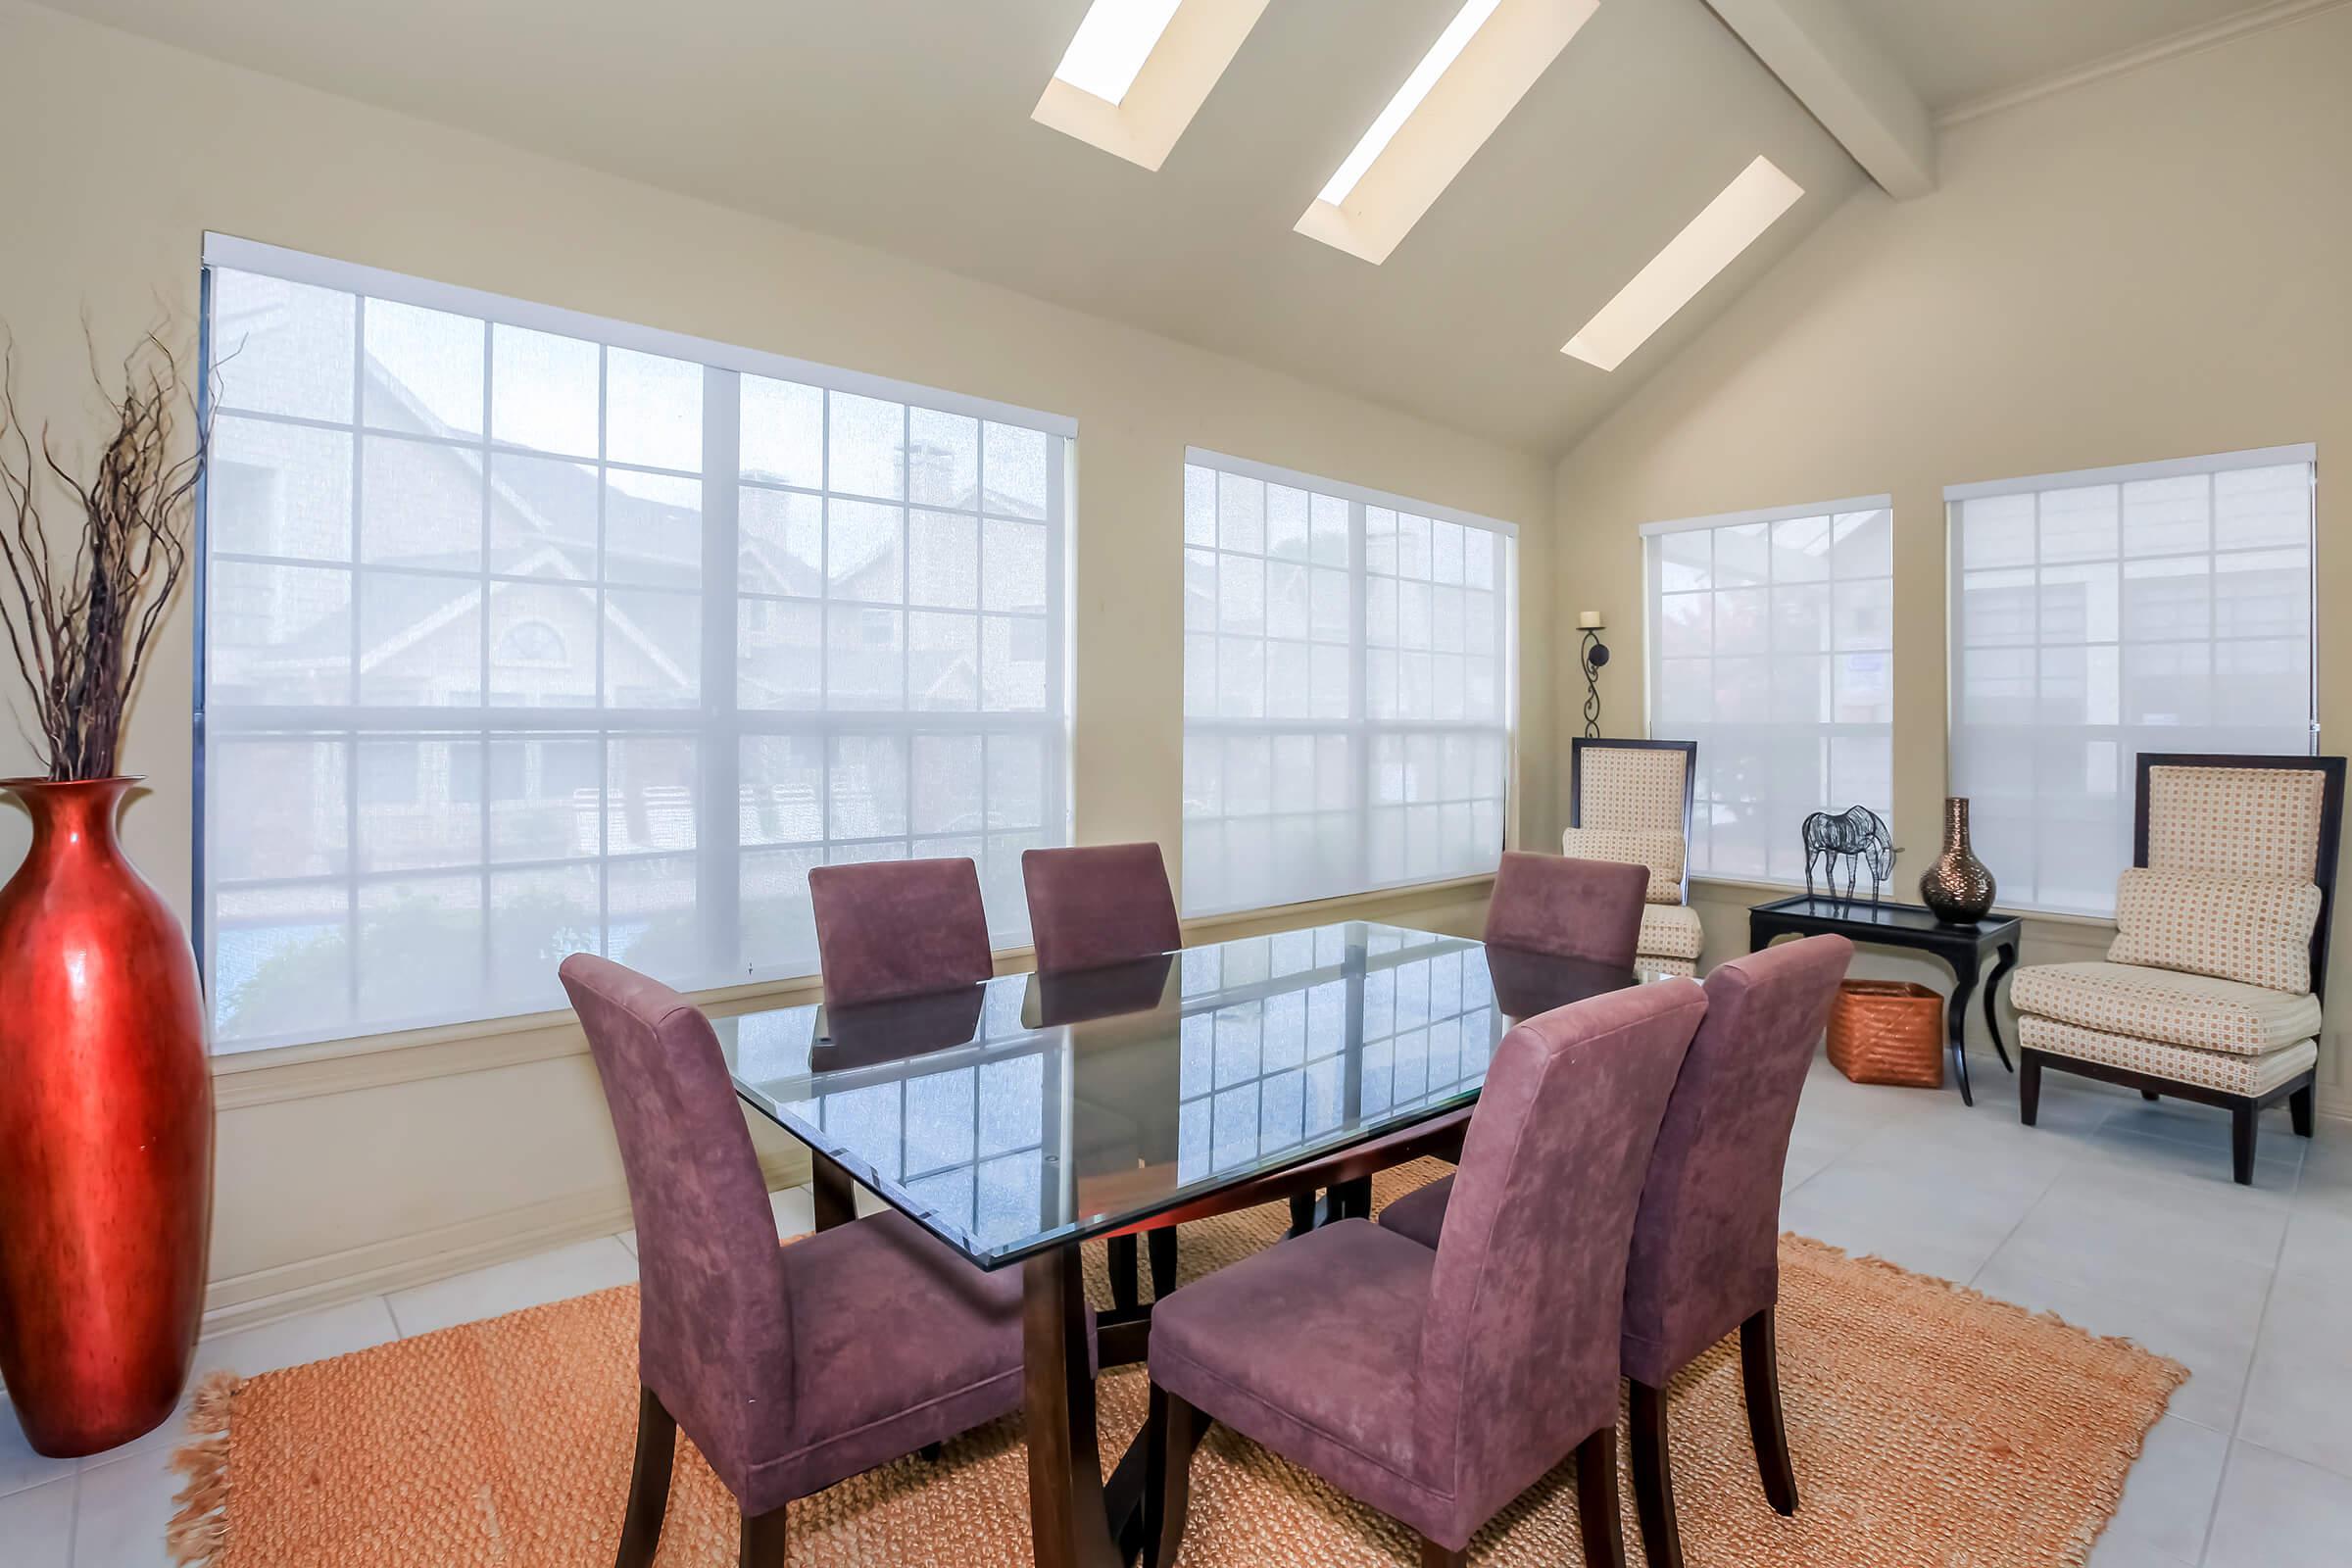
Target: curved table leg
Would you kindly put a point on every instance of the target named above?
(1992, 992)
(1964, 981)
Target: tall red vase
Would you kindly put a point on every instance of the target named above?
(105, 1132)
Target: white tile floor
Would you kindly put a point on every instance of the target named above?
(2117, 1214)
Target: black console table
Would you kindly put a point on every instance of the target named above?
(1964, 948)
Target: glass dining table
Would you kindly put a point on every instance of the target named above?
(1017, 1118)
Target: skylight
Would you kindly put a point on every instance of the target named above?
(1468, 83)
(1442, 53)
(1730, 224)
(1137, 71)
(1112, 43)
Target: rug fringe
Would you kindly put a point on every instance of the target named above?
(198, 1533)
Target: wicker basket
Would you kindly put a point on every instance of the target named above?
(1888, 1032)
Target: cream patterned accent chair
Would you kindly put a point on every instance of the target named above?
(2211, 991)
(1630, 801)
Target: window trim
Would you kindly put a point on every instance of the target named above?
(2125, 473)
(714, 721)
(1735, 519)
(2117, 474)
(302, 266)
(1358, 498)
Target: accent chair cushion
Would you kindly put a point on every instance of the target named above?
(2230, 1072)
(2254, 929)
(1634, 789)
(2234, 821)
(2166, 1007)
(1659, 848)
(1670, 931)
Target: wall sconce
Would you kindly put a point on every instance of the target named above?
(1595, 653)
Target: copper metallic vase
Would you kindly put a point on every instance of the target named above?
(1957, 887)
(105, 1132)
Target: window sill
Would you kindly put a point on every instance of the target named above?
(1368, 905)
(242, 1079)
(444, 1051)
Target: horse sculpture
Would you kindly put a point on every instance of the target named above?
(1854, 838)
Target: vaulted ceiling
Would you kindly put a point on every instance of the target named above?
(1959, 52)
(906, 125)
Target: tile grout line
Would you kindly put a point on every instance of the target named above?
(2039, 1198)
(2262, 1326)
(2031, 1209)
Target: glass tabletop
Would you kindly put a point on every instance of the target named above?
(1035, 1111)
(1863, 911)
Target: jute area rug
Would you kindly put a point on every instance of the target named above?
(1930, 1427)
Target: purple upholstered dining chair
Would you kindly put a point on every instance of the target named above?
(1436, 1385)
(1568, 909)
(1588, 910)
(1098, 905)
(1706, 1247)
(892, 928)
(790, 1367)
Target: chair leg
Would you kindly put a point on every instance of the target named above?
(763, 1540)
(1162, 1244)
(1303, 1213)
(2245, 1123)
(2028, 1086)
(1123, 1267)
(1352, 1200)
(1433, 1556)
(1597, 1500)
(1760, 1372)
(649, 1482)
(2298, 1110)
(1653, 1479)
(1172, 1429)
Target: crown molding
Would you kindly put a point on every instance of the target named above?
(2259, 19)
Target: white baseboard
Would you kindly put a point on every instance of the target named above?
(245, 1301)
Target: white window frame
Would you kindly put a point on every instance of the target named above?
(1359, 727)
(2129, 738)
(718, 724)
(1651, 588)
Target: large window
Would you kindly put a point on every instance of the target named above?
(1771, 645)
(1347, 667)
(528, 633)
(2096, 616)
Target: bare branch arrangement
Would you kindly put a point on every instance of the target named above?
(82, 629)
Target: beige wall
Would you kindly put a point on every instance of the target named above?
(338, 1167)
(2155, 265)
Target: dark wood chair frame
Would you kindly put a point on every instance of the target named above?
(2245, 1110)
(1767, 1431)
(1576, 783)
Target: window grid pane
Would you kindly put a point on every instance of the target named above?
(497, 673)
(1345, 691)
(2100, 615)
(1772, 647)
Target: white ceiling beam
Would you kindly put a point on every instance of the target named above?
(1847, 82)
